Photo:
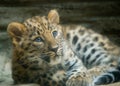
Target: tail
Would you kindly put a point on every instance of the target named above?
(111, 76)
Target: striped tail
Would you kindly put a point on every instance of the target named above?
(109, 77)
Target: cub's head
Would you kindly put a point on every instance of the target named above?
(36, 39)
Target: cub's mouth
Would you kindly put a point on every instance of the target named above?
(45, 57)
(52, 58)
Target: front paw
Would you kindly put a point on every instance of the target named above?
(79, 79)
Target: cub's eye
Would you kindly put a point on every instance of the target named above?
(54, 33)
(38, 39)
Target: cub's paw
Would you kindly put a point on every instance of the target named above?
(79, 79)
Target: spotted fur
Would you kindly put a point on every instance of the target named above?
(49, 54)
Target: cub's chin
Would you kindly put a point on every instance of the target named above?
(59, 52)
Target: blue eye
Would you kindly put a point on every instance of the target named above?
(55, 33)
(38, 39)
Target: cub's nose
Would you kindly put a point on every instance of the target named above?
(54, 49)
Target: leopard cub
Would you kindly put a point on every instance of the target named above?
(50, 54)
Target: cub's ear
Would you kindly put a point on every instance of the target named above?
(53, 16)
(15, 29)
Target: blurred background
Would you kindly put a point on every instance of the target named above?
(102, 16)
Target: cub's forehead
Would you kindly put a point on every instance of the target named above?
(36, 22)
(39, 23)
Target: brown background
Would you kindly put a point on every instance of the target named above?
(101, 15)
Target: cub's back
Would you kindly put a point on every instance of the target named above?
(79, 34)
(91, 46)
